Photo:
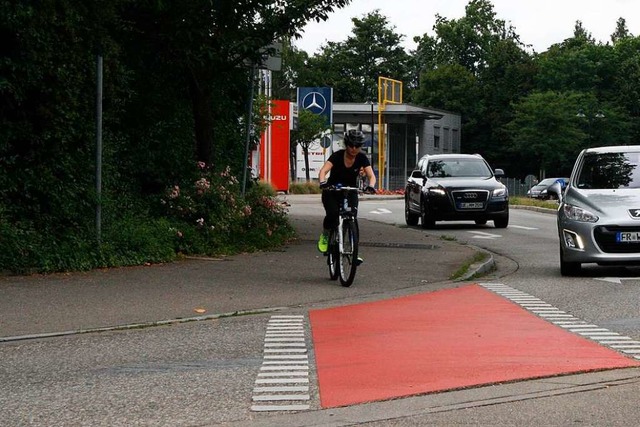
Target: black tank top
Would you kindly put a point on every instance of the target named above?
(340, 174)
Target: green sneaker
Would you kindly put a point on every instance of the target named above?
(323, 243)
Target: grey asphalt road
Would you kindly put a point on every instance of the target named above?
(201, 373)
(199, 287)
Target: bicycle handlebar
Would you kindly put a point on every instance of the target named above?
(345, 188)
(334, 188)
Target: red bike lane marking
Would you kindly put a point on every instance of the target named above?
(438, 341)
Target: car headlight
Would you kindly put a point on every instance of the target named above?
(499, 192)
(437, 191)
(544, 191)
(578, 214)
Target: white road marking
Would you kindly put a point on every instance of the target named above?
(522, 227)
(483, 235)
(616, 280)
(380, 211)
(283, 377)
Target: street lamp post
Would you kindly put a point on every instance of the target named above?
(590, 118)
(373, 145)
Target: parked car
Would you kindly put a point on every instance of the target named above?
(541, 189)
(599, 212)
(455, 187)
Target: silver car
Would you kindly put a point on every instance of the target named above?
(599, 211)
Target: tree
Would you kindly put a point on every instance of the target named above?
(467, 41)
(626, 80)
(576, 65)
(546, 132)
(475, 66)
(352, 67)
(450, 87)
(550, 128)
(310, 127)
(209, 44)
(621, 32)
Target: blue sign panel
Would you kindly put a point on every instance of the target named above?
(318, 100)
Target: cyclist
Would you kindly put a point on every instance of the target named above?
(344, 166)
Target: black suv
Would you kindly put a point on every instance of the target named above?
(455, 187)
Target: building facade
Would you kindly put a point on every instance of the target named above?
(409, 132)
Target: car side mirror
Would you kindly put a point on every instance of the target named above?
(499, 173)
(555, 189)
(416, 174)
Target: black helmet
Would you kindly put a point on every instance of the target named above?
(354, 138)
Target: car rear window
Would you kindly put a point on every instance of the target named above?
(609, 171)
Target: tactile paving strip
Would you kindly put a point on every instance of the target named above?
(613, 340)
(283, 381)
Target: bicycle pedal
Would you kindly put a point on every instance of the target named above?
(359, 261)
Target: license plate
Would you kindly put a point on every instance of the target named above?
(627, 236)
(476, 205)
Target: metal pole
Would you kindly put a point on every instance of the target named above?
(99, 149)
(248, 126)
(373, 157)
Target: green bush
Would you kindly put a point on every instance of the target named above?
(304, 188)
(210, 217)
(204, 216)
(128, 241)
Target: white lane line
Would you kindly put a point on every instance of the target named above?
(262, 408)
(283, 379)
(522, 227)
(283, 374)
(280, 389)
(616, 280)
(380, 211)
(274, 397)
(483, 235)
(603, 336)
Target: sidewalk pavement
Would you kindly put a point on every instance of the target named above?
(397, 260)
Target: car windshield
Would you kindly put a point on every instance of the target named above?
(458, 168)
(609, 171)
(546, 182)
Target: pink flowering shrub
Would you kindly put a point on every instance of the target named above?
(210, 216)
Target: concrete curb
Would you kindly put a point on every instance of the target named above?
(479, 268)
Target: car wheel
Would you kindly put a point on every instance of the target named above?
(568, 268)
(425, 219)
(502, 222)
(481, 221)
(410, 217)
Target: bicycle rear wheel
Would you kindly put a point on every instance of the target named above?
(333, 255)
(349, 255)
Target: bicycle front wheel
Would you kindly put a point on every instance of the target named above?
(333, 256)
(349, 254)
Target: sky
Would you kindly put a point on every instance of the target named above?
(539, 23)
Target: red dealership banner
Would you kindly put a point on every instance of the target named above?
(274, 147)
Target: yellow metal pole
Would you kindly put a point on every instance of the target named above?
(381, 148)
(380, 135)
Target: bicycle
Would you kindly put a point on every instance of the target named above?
(342, 255)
